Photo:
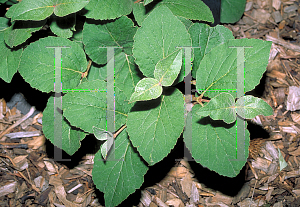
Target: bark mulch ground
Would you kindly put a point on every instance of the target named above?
(30, 177)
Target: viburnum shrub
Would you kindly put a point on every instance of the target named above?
(114, 66)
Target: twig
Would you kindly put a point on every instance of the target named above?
(32, 109)
(288, 72)
(283, 43)
(117, 132)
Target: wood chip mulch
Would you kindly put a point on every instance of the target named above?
(29, 178)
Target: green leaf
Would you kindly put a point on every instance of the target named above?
(147, 2)
(91, 106)
(154, 126)
(3, 23)
(9, 60)
(221, 107)
(206, 38)
(187, 23)
(119, 178)
(218, 69)
(20, 31)
(139, 12)
(159, 36)
(89, 103)
(115, 34)
(71, 137)
(109, 9)
(146, 89)
(167, 70)
(78, 32)
(249, 107)
(41, 9)
(105, 148)
(101, 134)
(192, 9)
(37, 63)
(213, 144)
(61, 26)
(232, 10)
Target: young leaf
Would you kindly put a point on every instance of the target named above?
(159, 36)
(249, 107)
(101, 134)
(154, 126)
(221, 107)
(213, 144)
(146, 89)
(105, 148)
(120, 177)
(167, 70)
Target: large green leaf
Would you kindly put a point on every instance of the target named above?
(71, 136)
(206, 38)
(99, 9)
(118, 34)
(195, 10)
(20, 31)
(232, 10)
(119, 178)
(154, 126)
(213, 144)
(41, 9)
(192, 9)
(37, 63)
(218, 69)
(9, 60)
(159, 36)
(91, 106)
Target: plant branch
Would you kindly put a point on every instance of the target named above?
(119, 131)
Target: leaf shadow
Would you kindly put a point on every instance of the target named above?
(215, 123)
